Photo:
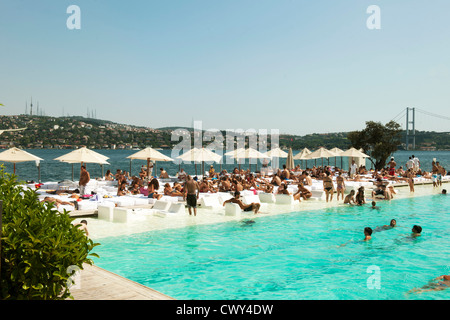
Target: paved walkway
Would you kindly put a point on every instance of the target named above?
(99, 284)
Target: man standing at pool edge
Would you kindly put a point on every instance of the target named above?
(84, 179)
(191, 194)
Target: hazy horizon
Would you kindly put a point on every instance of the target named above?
(298, 66)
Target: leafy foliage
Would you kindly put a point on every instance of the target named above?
(38, 245)
(377, 140)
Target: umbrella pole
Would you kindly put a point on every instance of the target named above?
(130, 167)
(72, 172)
(39, 173)
(14, 168)
(148, 169)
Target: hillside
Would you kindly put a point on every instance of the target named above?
(71, 132)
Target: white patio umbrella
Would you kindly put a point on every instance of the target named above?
(302, 155)
(16, 155)
(320, 154)
(149, 154)
(354, 153)
(83, 155)
(200, 155)
(249, 153)
(276, 153)
(338, 152)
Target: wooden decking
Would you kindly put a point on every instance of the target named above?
(99, 284)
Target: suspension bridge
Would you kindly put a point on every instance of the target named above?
(409, 115)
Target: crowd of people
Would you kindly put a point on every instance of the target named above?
(333, 179)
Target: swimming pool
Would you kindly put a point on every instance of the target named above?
(300, 255)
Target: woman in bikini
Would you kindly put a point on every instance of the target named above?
(153, 187)
(340, 185)
(328, 186)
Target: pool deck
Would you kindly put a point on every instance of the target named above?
(99, 284)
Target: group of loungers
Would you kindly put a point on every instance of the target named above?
(102, 197)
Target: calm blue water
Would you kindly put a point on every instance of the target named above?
(52, 170)
(293, 256)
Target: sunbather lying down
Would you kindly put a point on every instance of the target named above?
(58, 202)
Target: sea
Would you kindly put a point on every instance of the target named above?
(55, 171)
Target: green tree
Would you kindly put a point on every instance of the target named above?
(377, 140)
(38, 245)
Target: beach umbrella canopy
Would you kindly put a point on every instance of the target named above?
(337, 151)
(83, 155)
(302, 154)
(290, 160)
(249, 153)
(321, 153)
(16, 155)
(276, 153)
(149, 154)
(354, 153)
(200, 155)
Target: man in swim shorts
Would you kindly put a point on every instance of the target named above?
(249, 207)
(392, 165)
(191, 194)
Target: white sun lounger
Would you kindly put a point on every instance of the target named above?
(105, 211)
(232, 209)
(284, 199)
(120, 214)
(266, 197)
(211, 202)
(174, 209)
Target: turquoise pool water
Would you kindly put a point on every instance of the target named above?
(301, 255)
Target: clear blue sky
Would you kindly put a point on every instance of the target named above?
(299, 66)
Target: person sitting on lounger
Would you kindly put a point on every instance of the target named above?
(246, 207)
(153, 187)
(163, 174)
(122, 190)
(182, 176)
(276, 181)
(282, 189)
(302, 193)
(169, 191)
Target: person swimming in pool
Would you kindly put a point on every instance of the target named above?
(391, 225)
(367, 233)
(443, 282)
(416, 231)
(374, 205)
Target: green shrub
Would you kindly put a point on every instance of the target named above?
(38, 244)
